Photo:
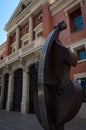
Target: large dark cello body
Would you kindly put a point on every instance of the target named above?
(58, 99)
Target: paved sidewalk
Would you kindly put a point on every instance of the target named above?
(76, 124)
(18, 121)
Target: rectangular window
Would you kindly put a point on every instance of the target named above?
(81, 52)
(76, 20)
(78, 23)
(82, 81)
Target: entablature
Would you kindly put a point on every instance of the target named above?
(63, 4)
(16, 19)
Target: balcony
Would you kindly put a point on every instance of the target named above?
(24, 51)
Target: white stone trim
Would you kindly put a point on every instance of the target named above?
(13, 46)
(25, 51)
(17, 38)
(77, 44)
(39, 26)
(38, 29)
(10, 93)
(16, 21)
(2, 49)
(30, 29)
(25, 90)
(80, 61)
(72, 5)
(25, 38)
(61, 4)
(13, 17)
(51, 1)
(58, 6)
(79, 75)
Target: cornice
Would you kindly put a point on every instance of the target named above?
(72, 5)
(24, 15)
(14, 16)
(59, 5)
(76, 44)
(79, 75)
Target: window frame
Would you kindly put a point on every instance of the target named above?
(79, 50)
(74, 47)
(74, 16)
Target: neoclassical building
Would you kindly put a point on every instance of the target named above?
(27, 29)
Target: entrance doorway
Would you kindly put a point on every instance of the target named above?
(17, 91)
(33, 84)
(6, 80)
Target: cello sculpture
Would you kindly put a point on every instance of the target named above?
(58, 99)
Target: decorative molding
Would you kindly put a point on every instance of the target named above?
(23, 52)
(51, 1)
(2, 48)
(38, 27)
(80, 61)
(25, 37)
(26, 27)
(77, 46)
(13, 46)
(78, 43)
(79, 75)
(14, 15)
(39, 16)
(59, 5)
(72, 5)
(16, 21)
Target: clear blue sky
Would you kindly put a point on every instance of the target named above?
(6, 10)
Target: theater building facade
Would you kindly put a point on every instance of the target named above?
(27, 29)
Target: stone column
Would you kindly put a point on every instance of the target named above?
(17, 38)
(30, 29)
(25, 91)
(10, 93)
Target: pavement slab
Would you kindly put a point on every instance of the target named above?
(17, 121)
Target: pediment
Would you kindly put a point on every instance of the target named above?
(21, 6)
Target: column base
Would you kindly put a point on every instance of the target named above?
(9, 106)
(24, 107)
